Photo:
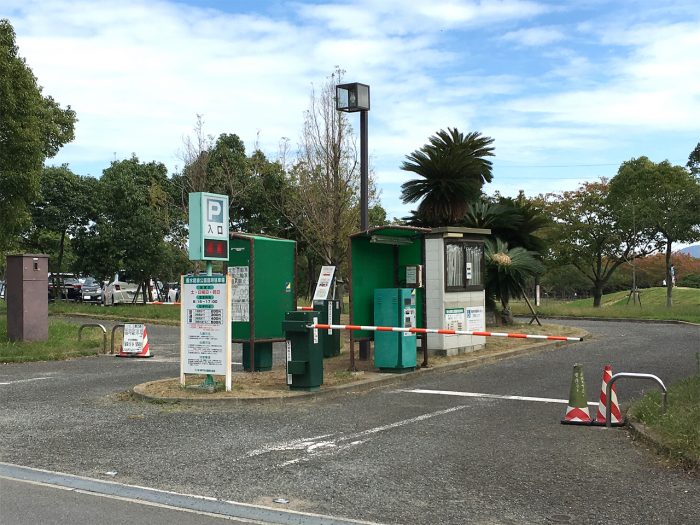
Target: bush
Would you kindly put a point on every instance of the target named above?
(690, 281)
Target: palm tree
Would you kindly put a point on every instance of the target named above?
(507, 270)
(453, 169)
(514, 221)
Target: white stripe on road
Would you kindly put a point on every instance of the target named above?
(491, 396)
(24, 380)
(314, 447)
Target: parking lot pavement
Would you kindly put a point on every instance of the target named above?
(390, 455)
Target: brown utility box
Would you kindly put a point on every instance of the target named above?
(27, 295)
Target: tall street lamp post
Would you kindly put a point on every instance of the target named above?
(352, 98)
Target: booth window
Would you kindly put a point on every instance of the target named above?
(464, 266)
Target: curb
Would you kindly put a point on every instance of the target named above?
(641, 432)
(615, 319)
(139, 391)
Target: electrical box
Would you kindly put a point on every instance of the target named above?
(262, 291)
(395, 351)
(26, 295)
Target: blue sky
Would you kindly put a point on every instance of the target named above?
(568, 90)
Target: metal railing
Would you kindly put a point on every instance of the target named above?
(615, 377)
(111, 345)
(96, 325)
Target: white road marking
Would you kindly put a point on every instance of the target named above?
(491, 396)
(24, 380)
(164, 498)
(322, 446)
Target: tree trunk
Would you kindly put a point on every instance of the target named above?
(669, 278)
(597, 295)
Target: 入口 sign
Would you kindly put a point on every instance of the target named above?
(208, 227)
(215, 216)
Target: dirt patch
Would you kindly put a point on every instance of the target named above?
(336, 370)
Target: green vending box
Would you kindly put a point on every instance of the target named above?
(304, 354)
(395, 351)
(328, 313)
(262, 291)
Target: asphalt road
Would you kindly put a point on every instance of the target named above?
(390, 455)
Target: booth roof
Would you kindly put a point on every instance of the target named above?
(257, 236)
(393, 230)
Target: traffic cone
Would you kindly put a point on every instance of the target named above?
(615, 415)
(145, 349)
(577, 411)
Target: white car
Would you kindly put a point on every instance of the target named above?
(119, 292)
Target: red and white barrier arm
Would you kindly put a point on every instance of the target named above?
(440, 331)
(305, 308)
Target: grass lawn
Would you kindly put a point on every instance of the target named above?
(62, 344)
(686, 306)
(679, 428)
(164, 314)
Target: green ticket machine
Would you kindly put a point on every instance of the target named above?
(396, 307)
(304, 354)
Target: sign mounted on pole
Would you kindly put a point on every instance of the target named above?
(205, 326)
(325, 283)
(208, 227)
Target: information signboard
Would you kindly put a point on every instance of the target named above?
(205, 326)
(476, 321)
(133, 339)
(325, 282)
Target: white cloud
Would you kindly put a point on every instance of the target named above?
(535, 36)
(138, 72)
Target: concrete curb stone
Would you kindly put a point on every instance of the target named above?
(140, 391)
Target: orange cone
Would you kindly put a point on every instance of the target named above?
(577, 411)
(615, 415)
(134, 339)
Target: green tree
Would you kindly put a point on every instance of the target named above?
(131, 228)
(588, 233)
(694, 161)
(62, 208)
(507, 271)
(453, 169)
(323, 206)
(33, 128)
(666, 203)
(515, 221)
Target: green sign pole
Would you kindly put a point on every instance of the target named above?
(209, 384)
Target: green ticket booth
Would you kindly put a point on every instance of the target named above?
(386, 257)
(263, 289)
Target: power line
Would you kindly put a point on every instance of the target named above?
(552, 165)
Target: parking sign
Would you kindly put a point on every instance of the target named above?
(208, 227)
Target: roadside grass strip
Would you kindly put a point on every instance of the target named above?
(679, 428)
(62, 344)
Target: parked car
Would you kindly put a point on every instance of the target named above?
(68, 287)
(2, 289)
(91, 291)
(119, 292)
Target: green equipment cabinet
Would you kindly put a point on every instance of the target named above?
(328, 313)
(304, 353)
(395, 351)
(262, 291)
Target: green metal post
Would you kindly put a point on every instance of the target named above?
(209, 384)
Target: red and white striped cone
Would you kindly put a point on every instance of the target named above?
(577, 411)
(145, 349)
(615, 415)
